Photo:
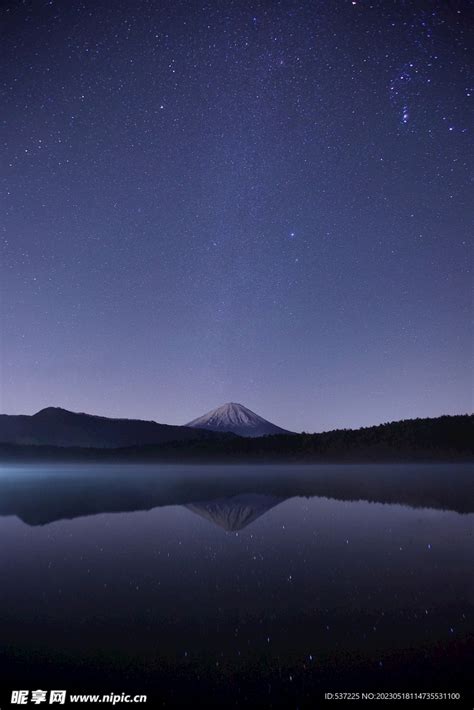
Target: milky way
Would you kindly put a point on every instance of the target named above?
(261, 202)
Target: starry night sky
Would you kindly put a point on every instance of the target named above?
(260, 202)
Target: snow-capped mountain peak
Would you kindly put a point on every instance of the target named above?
(235, 418)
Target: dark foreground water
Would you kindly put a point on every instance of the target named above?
(238, 586)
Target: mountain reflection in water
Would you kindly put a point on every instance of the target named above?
(236, 512)
(43, 494)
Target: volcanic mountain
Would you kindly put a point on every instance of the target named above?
(236, 418)
(55, 426)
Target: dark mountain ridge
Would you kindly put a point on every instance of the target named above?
(55, 426)
(446, 438)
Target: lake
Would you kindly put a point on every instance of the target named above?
(243, 586)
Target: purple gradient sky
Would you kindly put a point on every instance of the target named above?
(260, 202)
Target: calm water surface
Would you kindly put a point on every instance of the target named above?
(239, 586)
